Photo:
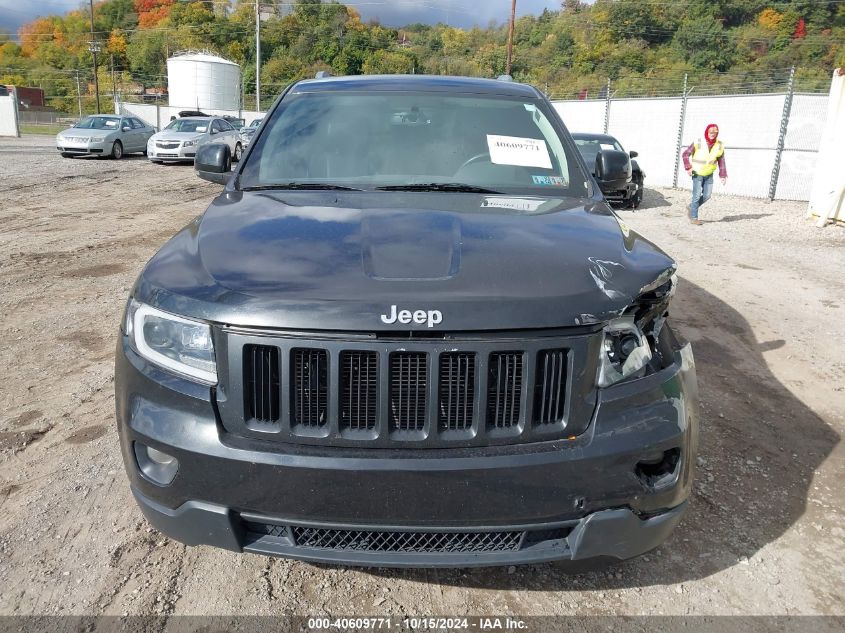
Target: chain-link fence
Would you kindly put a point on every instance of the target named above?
(771, 140)
(159, 116)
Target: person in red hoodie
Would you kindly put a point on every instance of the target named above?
(700, 161)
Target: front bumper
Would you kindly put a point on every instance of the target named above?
(568, 499)
(178, 154)
(622, 195)
(91, 148)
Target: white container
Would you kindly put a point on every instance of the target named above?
(199, 81)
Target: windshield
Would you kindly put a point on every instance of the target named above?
(188, 125)
(393, 139)
(256, 123)
(99, 123)
(590, 147)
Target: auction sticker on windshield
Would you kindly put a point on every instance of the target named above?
(513, 150)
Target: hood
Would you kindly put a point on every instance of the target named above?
(339, 261)
(170, 135)
(81, 131)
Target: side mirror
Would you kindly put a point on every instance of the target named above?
(633, 154)
(125, 128)
(613, 168)
(213, 162)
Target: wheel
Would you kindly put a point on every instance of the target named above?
(67, 155)
(637, 198)
(117, 150)
(239, 151)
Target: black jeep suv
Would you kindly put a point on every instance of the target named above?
(408, 332)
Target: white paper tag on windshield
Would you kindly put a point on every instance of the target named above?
(606, 146)
(512, 150)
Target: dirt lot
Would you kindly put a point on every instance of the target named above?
(762, 298)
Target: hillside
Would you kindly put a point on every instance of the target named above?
(642, 46)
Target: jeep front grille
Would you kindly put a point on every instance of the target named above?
(550, 386)
(309, 373)
(504, 391)
(261, 383)
(408, 390)
(457, 391)
(425, 393)
(358, 390)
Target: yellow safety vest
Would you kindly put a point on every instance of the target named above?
(704, 160)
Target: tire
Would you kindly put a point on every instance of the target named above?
(239, 151)
(637, 198)
(117, 150)
(66, 155)
(157, 162)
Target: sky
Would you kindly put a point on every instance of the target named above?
(462, 13)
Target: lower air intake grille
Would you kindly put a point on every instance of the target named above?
(358, 390)
(457, 391)
(309, 386)
(417, 542)
(408, 390)
(504, 390)
(261, 383)
(550, 386)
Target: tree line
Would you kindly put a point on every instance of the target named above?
(644, 47)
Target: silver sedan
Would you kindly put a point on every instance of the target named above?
(104, 135)
(179, 140)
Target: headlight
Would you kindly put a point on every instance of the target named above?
(625, 352)
(189, 143)
(181, 345)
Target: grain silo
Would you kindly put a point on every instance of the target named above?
(203, 81)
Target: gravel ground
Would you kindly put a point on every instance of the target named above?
(762, 298)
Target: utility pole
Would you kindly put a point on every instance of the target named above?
(257, 55)
(94, 47)
(78, 94)
(113, 83)
(510, 38)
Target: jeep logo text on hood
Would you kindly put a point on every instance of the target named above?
(431, 317)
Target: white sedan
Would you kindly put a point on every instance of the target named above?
(181, 138)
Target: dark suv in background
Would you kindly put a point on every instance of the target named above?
(408, 332)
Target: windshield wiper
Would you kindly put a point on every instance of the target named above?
(438, 186)
(300, 185)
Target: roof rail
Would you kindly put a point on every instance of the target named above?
(322, 74)
(504, 78)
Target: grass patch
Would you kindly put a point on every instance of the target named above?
(45, 130)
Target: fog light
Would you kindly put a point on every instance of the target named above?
(158, 457)
(155, 465)
(660, 472)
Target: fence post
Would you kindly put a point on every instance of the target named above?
(784, 122)
(607, 107)
(678, 145)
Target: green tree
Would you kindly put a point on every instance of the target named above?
(705, 44)
(389, 63)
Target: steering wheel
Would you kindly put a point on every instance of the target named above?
(474, 159)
